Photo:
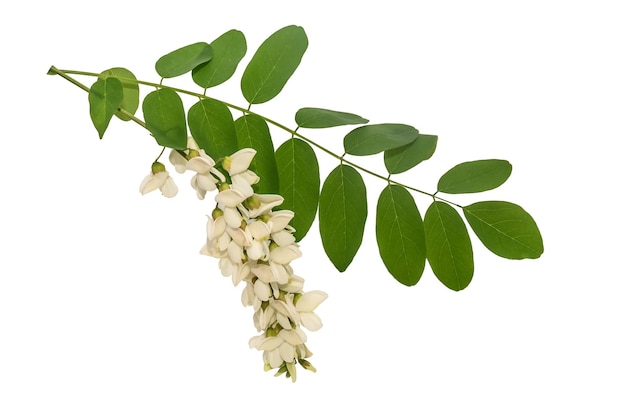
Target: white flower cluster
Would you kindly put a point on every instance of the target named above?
(254, 245)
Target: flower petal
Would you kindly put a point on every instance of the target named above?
(311, 321)
(293, 337)
(169, 188)
(310, 300)
(230, 197)
(240, 160)
(179, 161)
(262, 290)
(285, 254)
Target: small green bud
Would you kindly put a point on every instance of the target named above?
(253, 203)
(158, 167)
(217, 212)
(227, 162)
(265, 218)
(273, 245)
(193, 153)
(271, 332)
(223, 186)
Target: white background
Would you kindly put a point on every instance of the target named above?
(107, 309)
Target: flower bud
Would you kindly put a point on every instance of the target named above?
(226, 162)
(307, 365)
(253, 203)
(158, 167)
(271, 332)
(217, 212)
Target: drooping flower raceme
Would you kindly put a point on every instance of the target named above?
(255, 245)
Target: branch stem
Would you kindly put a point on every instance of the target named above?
(65, 74)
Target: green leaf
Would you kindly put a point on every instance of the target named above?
(228, 50)
(183, 59)
(505, 228)
(314, 118)
(400, 235)
(164, 115)
(372, 139)
(253, 132)
(212, 126)
(105, 96)
(299, 180)
(273, 64)
(475, 176)
(406, 157)
(343, 210)
(448, 246)
(130, 87)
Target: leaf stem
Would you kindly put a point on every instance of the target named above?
(294, 132)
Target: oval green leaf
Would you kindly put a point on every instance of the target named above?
(164, 115)
(448, 246)
(343, 211)
(400, 235)
(408, 156)
(253, 132)
(212, 126)
(130, 103)
(505, 229)
(299, 183)
(372, 139)
(273, 64)
(183, 60)
(314, 118)
(228, 50)
(105, 96)
(475, 176)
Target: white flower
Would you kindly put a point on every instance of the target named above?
(305, 306)
(238, 162)
(158, 178)
(285, 254)
(207, 176)
(280, 219)
(179, 161)
(259, 204)
(233, 196)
